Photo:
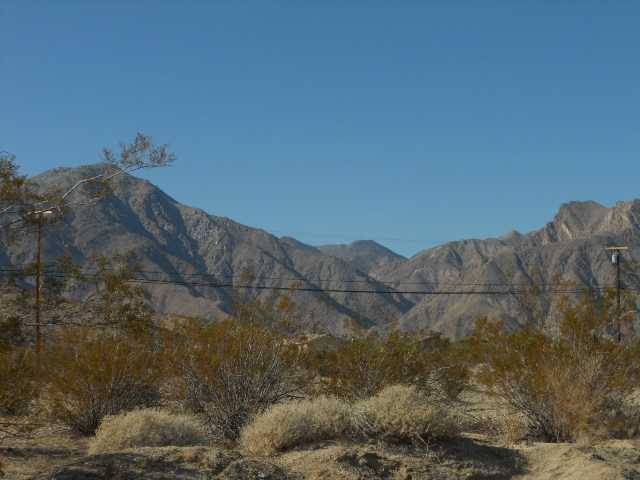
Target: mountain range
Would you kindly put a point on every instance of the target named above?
(199, 252)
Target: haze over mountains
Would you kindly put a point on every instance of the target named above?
(189, 246)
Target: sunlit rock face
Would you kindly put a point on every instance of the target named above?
(198, 251)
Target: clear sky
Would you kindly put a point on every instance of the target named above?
(407, 122)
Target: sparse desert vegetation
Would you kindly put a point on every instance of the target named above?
(242, 388)
(576, 385)
(230, 371)
(146, 428)
(405, 413)
(298, 423)
(117, 390)
(91, 375)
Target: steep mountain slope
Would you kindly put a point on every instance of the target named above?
(365, 255)
(197, 251)
(179, 243)
(568, 249)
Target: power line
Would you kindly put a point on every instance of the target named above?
(334, 279)
(347, 290)
(50, 270)
(11, 268)
(504, 290)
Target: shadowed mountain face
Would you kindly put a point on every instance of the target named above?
(186, 245)
(198, 250)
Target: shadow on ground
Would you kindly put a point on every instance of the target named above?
(188, 463)
(460, 459)
(488, 461)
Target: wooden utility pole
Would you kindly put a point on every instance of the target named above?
(38, 285)
(39, 218)
(616, 259)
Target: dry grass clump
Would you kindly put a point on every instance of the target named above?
(146, 428)
(296, 423)
(511, 427)
(625, 419)
(406, 414)
(399, 413)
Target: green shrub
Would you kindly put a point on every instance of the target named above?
(146, 428)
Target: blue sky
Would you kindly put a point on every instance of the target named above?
(409, 122)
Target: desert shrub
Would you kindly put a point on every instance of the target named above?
(407, 414)
(112, 300)
(501, 425)
(628, 415)
(512, 427)
(230, 371)
(146, 428)
(398, 413)
(91, 375)
(364, 366)
(570, 386)
(11, 332)
(295, 423)
(18, 385)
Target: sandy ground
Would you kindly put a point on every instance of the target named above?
(52, 454)
(612, 460)
(24, 456)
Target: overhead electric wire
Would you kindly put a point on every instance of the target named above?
(52, 265)
(49, 269)
(506, 289)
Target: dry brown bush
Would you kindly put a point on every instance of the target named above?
(91, 375)
(513, 428)
(18, 385)
(230, 371)
(502, 425)
(405, 413)
(364, 366)
(573, 385)
(398, 413)
(299, 422)
(146, 428)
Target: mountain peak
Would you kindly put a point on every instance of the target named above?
(576, 219)
(366, 255)
(584, 211)
(182, 243)
(511, 235)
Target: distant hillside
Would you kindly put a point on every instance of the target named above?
(181, 243)
(366, 255)
(570, 247)
(177, 242)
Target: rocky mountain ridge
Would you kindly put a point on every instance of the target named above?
(179, 243)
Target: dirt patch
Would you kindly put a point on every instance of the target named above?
(53, 454)
(614, 460)
(464, 459)
(179, 463)
(25, 456)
